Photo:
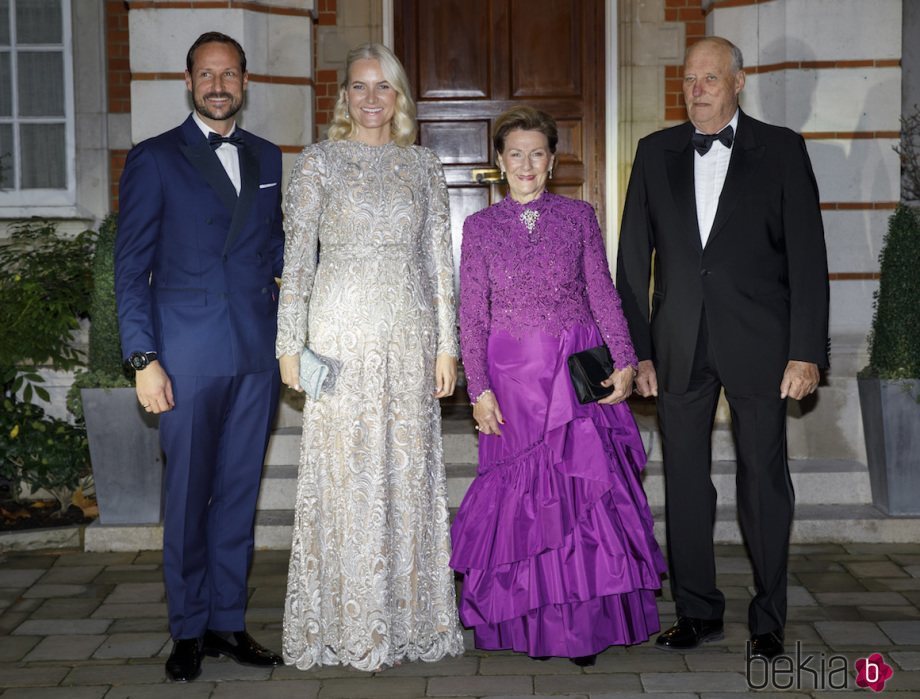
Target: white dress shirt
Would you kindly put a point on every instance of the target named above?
(226, 152)
(708, 178)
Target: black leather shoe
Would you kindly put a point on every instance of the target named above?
(766, 645)
(689, 633)
(585, 660)
(184, 662)
(241, 647)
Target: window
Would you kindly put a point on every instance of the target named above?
(36, 104)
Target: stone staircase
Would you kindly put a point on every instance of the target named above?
(833, 499)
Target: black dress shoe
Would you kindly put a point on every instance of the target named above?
(241, 647)
(766, 645)
(585, 660)
(184, 662)
(689, 633)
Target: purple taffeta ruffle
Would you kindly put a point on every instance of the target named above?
(554, 537)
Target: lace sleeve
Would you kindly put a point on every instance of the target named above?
(475, 311)
(602, 295)
(303, 207)
(440, 259)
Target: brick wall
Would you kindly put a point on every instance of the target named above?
(691, 14)
(325, 82)
(118, 81)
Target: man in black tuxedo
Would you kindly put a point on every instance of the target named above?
(728, 205)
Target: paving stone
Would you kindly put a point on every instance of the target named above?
(166, 690)
(82, 558)
(374, 688)
(906, 660)
(56, 693)
(62, 627)
(643, 695)
(587, 684)
(10, 619)
(901, 681)
(131, 611)
(66, 608)
(287, 689)
(858, 599)
(224, 670)
(902, 584)
(134, 593)
(149, 558)
(522, 665)
(289, 672)
(72, 647)
(693, 681)
(75, 575)
(913, 570)
(19, 578)
(18, 560)
(905, 559)
(659, 661)
(843, 614)
(268, 597)
(903, 633)
(803, 633)
(139, 625)
(461, 665)
(805, 565)
(798, 596)
(881, 547)
(94, 672)
(494, 685)
(760, 695)
(876, 569)
(734, 564)
(132, 645)
(830, 582)
(62, 590)
(851, 633)
(889, 613)
(132, 574)
(18, 675)
(13, 648)
(714, 661)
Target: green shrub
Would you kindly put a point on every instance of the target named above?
(894, 341)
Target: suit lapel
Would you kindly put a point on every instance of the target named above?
(679, 155)
(249, 186)
(198, 152)
(745, 157)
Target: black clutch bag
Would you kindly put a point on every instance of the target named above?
(587, 369)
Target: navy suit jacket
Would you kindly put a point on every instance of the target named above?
(762, 277)
(195, 263)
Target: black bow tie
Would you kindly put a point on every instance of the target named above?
(703, 141)
(234, 139)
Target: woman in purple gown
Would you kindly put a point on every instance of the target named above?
(554, 538)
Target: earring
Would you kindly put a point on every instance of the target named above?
(551, 174)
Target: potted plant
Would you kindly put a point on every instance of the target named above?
(44, 291)
(889, 387)
(123, 441)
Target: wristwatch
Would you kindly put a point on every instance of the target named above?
(140, 360)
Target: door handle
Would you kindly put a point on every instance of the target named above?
(487, 175)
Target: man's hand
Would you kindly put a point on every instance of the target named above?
(154, 389)
(799, 379)
(647, 379)
(621, 380)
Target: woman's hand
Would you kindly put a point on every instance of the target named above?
(487, 414)
(622, 382)
(445, 375)
(290, 371)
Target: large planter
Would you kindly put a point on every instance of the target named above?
(124, 448)
(891, 423)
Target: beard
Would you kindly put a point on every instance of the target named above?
(206, 110)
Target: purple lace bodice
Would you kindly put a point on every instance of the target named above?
(546, 271)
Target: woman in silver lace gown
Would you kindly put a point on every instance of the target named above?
(369, 582)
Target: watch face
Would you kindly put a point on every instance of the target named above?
(138, 360)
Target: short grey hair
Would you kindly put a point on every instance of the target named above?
(737, 59)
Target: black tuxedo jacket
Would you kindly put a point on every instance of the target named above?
(762, 277)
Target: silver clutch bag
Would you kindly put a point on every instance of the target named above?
(313, 373)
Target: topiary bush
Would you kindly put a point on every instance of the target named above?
(894, 341)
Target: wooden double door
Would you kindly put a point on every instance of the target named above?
(469, 60)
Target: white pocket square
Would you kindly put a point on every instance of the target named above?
(267, 185)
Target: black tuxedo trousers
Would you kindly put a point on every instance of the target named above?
(763, 486)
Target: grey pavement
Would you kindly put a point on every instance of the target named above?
(76, 625)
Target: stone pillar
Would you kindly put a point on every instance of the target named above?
(278, 39)
(830, 69)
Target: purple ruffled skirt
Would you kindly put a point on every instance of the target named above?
(554, 538)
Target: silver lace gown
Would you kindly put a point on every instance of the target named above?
(369, 582)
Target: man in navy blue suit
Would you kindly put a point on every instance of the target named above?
(198, 249)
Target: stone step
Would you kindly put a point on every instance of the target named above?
(813, 524)
(816, 482)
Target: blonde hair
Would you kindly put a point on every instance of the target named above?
(403, 127)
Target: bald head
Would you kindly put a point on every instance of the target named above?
(713, 79)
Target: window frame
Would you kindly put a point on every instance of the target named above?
(25, 201)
